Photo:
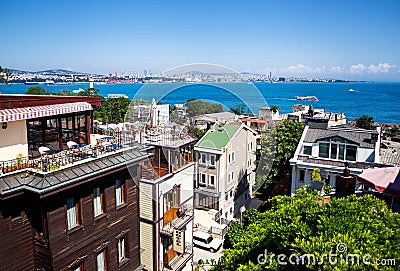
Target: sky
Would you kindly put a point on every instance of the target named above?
(357, 40)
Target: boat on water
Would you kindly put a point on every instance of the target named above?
(29, 83)
(306, 98)
(350, 89)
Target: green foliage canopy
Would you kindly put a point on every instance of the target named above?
(279, 145)
(199, 107)
(365, 122)
(37, 90)
(307, 224)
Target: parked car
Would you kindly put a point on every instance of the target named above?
(205, 240)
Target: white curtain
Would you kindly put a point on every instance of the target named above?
(118, 193)
(100, 261)
(121, 249)
(71, 213)
(97, 202)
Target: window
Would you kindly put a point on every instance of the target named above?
(203, 178)
(230, 177)
(307, 150)
(302, 174)
(231, 210)
(338, 150)
(72, 213)
(351, 153)
(249, 163)
(212, 160)
(231, 157)
(101, 260)
(122, 249)
(211, 180)
(250, 146)
(231, 193)
(171, 198)
(119, 192)
(98, 202)
(324, 150)
(203, 158)
(79, 267)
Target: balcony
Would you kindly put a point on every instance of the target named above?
(178, 262)
(52, 160)
(176, 218)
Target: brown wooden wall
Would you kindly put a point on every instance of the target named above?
(82, 242)
(16, 242)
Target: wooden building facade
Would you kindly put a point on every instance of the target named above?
(83, 217)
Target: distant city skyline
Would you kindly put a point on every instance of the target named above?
(353, 40)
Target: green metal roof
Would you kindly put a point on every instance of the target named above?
(218, 138)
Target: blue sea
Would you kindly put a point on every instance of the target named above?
(379, 100)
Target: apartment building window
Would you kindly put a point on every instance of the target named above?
(307, 150)
(101, 260)
(249, 163)
(171, 198)
(231, 193)
(230, 177)
(203, 179)
(119, 192)
(79, 267)
(337, 151)
(212, 160)
(231, 157)
(302, 174)
(203, 158)
(72, 212)
(250, 146)
(98, 202)
(211, 180)
(122, 249)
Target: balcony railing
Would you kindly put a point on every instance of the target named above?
(52, 161)
(176, 218)
(179, 261)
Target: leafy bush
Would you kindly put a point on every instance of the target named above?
(309, 224)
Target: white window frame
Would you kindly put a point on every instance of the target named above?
(212, 164)
(101, 261)
(201, 158)
(97, 202)
(201, 179)
(121, 248)
(230, 176)
(119, 192)
(231, 157)
(209, 180)
(250, 146)
(72, 213)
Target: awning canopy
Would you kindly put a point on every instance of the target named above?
(385, 180)
(43, 111)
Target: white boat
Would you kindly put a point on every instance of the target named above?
(350, 89)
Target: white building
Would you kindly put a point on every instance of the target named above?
(166, 202)
(329, 148)
(224, 169)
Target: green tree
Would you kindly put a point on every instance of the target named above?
(315, 176)
(4, 75)
(199, 107)
(365, 122)
(112, 110)
(307, 224)
(37, 90)
(238, 109)
(277, 146)
(275, 108)
(90, 92)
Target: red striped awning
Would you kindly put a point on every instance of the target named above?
(33, 112)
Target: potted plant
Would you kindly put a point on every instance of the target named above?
(19, 161)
